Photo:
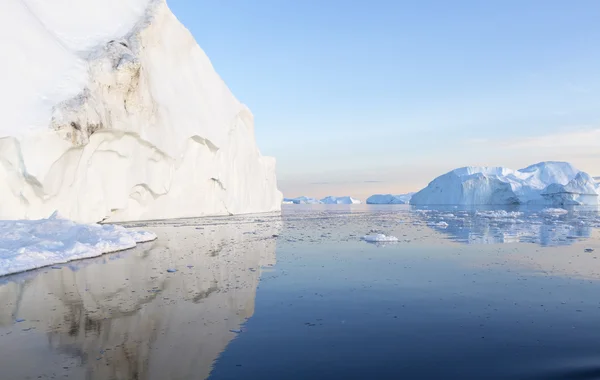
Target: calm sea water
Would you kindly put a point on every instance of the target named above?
(464, 294)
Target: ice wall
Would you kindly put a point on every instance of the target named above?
(111, 111)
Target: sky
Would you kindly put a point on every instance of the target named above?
(381, 96)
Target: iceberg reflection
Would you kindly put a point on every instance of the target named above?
(131, 318)
(546, 227)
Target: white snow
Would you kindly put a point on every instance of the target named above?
(379, 238)
(30, 244)
(331, 200)
(389, 199)
(546, 183)
(111, 111)
(302, 200)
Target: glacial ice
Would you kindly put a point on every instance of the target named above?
(111, 111)
(301, 200)
(546, 183)
(389, 199)
(331, 200)
(31, 244)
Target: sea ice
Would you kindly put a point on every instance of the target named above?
(555, 211)
(30, 244)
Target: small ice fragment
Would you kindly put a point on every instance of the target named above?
(589, 250)
(236, 331)
(555, 211)
(19, 320)
(171, 270)
(379, 238)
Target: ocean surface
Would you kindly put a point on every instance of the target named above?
(464, 294)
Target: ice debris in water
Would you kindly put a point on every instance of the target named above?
(555, 211)
(377, 238)
(498, 214)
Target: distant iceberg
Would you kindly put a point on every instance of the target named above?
(546, 183)
(301, 200)
(389, 199)
(340, 201)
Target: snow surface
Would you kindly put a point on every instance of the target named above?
(546, 183)
(331, 200)
(389, 199)
(30, 244)
(111, 111)
(379, 238)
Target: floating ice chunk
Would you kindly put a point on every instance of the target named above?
(499, 214)
(438, 224)
(31, 244)
(555, 211)
(379, 238)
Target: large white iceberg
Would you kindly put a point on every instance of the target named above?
(545, 183)
(111, 111)
(389, 199)
(330, 200)
(30, 244)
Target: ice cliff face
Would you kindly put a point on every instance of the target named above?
(545, 183)
(111, 111)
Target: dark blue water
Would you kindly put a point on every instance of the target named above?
(464, 294)
(352, 312)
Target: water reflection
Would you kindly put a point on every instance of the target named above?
(546, 227)
(132, 319)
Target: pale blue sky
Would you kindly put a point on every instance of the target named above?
(383, 95)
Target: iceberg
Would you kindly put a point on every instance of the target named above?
(112, 112)
(389, 199)
(330, 200)
(301, 200)
(31, 244)
(546, 183)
